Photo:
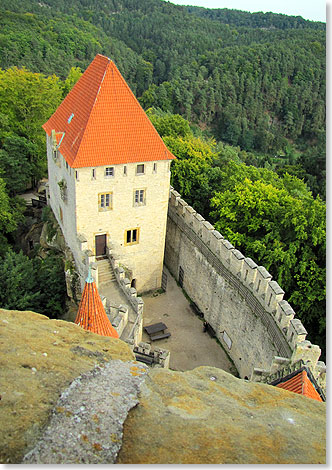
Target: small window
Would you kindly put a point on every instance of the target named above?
(139, 197)
(154, 168)
(76, 175)
(67, 165)
(258, 286)
(140, 169)
(93, 174)
(269, 303)
(109, 171)
(105, 201)
(131, 236)
(246, 275)
(125, 170)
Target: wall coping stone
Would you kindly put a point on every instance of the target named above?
(238, 254)
(264, 273)
(208, 225)
(298, 326)
(199, 217)
(286, 308)
(217, 234)
(276, 288)
(250, 263)
(228, 244)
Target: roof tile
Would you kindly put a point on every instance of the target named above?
(301, 384)
(91, 314)
(108, 125)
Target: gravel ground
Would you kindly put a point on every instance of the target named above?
(189, 346)
(87, 422)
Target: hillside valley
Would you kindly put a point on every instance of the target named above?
(238, 98)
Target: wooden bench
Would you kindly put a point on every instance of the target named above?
(196, 310)
(208, 329)
(145, 359)
(159, 336)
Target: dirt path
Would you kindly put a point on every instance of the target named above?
(190, 347)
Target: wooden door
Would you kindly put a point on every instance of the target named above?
(100, 245)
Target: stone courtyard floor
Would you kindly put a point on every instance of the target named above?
(189, 346)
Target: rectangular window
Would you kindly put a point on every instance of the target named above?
(105, 201)
(67, 165)
(258, 286)
(269, 303)
(109, 171)
(140, 169)
(132, 236)
(76, 175)
(93, 174)
(139, 197)
(154, 168)
(125, 170)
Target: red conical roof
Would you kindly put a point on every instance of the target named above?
(102, 123)
(91, 314)
(301, 384)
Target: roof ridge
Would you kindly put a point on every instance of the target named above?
(137, 102)
(88, 120)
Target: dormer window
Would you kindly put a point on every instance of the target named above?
(140, 169)
(109, 171)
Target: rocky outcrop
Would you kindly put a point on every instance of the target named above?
(39, 358)
(207, 416)
(199, 416)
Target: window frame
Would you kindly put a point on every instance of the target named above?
(130, 232)
(141, 199)
(140, 172)
(112, 172)
(102, 200)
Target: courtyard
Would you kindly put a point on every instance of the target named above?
(189, 346)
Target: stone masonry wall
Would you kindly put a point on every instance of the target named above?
(239, 299)
(144, 259)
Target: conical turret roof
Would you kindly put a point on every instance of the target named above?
(100, 122)
(91, 314)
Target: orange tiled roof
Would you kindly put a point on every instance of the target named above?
(91, 314)
(103, 122)
(301, 384)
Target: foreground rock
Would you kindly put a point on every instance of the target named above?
(86, 425)
(39, 358)
(207, 416)
(200, 416)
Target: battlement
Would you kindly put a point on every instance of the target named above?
(253, 282)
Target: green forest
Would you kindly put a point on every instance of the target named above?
(239, 98)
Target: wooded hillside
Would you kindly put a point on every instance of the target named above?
(239, 98)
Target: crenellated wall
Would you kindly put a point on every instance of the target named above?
(239, 299)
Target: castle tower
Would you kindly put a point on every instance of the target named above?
(91, 314)
(109, 175)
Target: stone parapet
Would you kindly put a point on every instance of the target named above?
(243, 273)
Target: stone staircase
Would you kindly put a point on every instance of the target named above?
(105, 272)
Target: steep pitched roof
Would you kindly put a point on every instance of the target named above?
(91, 314)
(103, 122)
(300, 383)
